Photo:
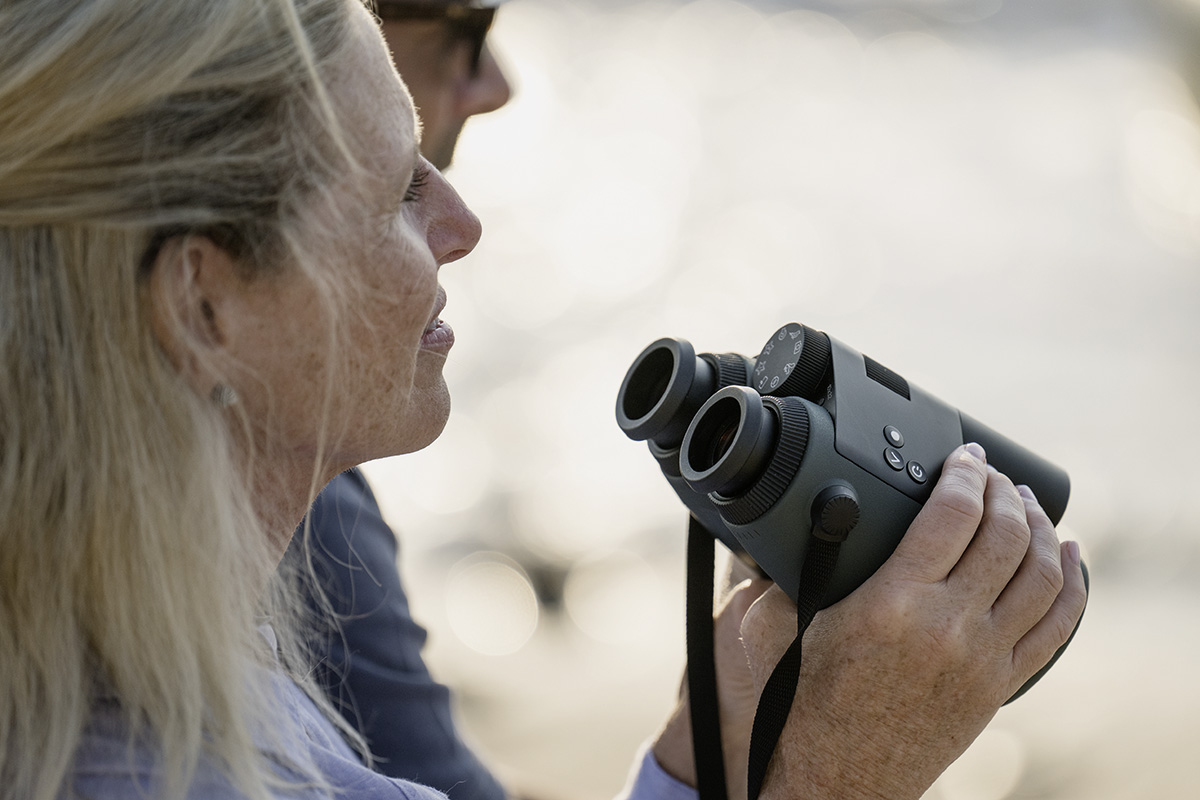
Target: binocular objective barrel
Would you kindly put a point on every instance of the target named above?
(1049, 482)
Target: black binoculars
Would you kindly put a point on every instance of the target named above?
(810, 439)
(809, 452)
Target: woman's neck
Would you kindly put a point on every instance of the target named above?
(284, 490)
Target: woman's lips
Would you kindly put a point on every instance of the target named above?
(439, 336)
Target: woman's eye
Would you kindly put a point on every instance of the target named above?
(420, 177)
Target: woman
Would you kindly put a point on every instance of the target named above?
(194, 197)
(219, 252)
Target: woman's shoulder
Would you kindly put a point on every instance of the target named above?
(110, 764)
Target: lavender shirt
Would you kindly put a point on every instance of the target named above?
(107, 768)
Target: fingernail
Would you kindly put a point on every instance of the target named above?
(1027, 493)
(1073, 553)
(977, 451)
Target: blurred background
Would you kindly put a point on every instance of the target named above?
(999, 199)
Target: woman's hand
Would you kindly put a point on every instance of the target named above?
(902, 675)
(737, 696)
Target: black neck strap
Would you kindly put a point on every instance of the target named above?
(702, 667)
(780, 689)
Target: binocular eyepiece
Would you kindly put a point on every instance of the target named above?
(731, 443)
(667, 384)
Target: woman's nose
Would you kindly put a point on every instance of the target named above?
(453, 229)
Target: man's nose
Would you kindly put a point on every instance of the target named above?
(487, 89)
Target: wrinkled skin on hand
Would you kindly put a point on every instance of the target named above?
(737, 695)
(904, 673)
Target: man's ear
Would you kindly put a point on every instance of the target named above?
(190, 286)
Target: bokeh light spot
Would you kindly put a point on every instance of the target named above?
(617, 598)
(491, 605)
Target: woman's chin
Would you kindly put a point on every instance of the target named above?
(421, 444)
(426, 419)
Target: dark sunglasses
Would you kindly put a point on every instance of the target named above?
(466, 22)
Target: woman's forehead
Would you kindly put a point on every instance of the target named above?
(376, 108)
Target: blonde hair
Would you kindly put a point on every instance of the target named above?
(130, 555)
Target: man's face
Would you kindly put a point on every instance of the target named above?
(435, 60)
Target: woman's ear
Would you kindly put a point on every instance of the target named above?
(190, 286)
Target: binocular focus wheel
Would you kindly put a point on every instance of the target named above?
(732, 369)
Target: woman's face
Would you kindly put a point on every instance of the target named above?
(386, 390)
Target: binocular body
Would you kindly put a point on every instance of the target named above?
(811, 437)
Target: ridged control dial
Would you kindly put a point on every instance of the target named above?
(793, 363)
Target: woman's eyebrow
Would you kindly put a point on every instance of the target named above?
(411, 163)
(415, 151)
(399, 178)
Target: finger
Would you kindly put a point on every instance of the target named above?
(737, 690)
(999, 546)
(1050, 633)
(732, 571)
(768, 628)
(733, 608)
(946, 524)
(1038, 580)
(737, 601)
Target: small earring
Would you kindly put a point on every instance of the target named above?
(223, 395)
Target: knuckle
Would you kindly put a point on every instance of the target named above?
(767, 619)
(948, 642)
(1065, 614)
(1048, 571)
(891, 615)
(959, 501)
(908, 622)
(1064, 624)
(1038, 515)
(1009, 520)
(997, 477)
